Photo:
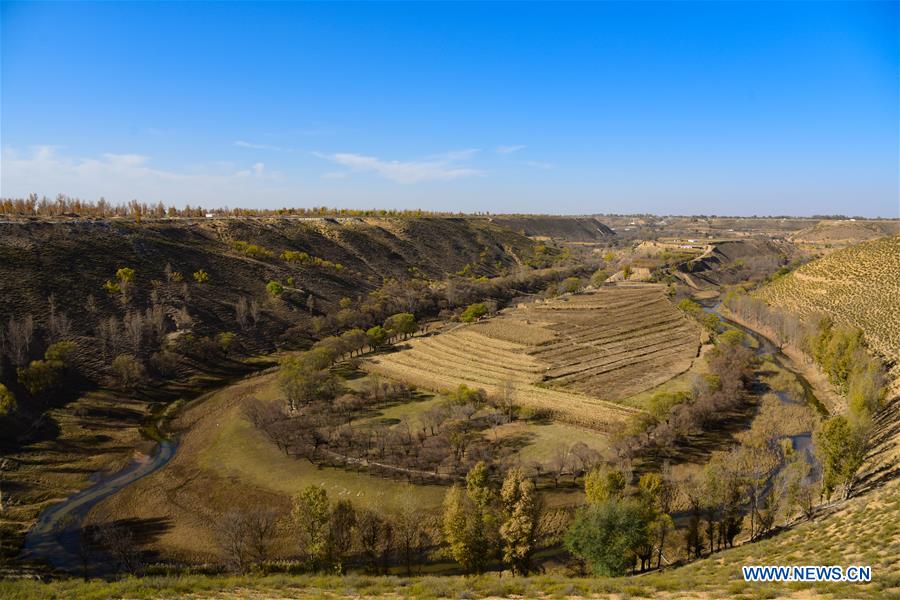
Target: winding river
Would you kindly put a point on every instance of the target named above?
(55, 537)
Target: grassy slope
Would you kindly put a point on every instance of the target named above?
(223, 461)
(858, 286)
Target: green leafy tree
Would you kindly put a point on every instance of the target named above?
(521, 517)
(841, 447)
(608, 535)
(341, 528)
(464, 531)
(402, 324)
(355, 340)
(42, 375)
(305, 378)
(602, 484)
(377, 336)
(201, 276)
(311, 515)
(466, 395)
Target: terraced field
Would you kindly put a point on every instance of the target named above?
(616, 342)
(859, 286)
(575, 356)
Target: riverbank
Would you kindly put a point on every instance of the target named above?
(798, 362)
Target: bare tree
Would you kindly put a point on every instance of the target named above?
(118, 541)
(375, 539)
(19, 337)
(60, 327)
(155, 316)
(134, 329)
(582, 458)
(110, 336)
(90, 305)
(254, 311)
(241, 312)
(409, 533)
(508, 399)
(246, 537)
(559, 462)
(183, 319)
(4, 462)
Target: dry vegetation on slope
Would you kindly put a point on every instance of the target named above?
(857, 286)
(572, 356)
(828, 234)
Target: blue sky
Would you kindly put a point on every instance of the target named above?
(717, 108)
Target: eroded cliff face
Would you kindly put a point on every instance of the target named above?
(572, 229)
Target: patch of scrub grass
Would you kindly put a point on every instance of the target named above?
(420, 587)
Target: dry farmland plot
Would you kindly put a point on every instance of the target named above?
(575, 355)
(859, 286)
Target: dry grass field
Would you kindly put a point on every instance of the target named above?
(858, 286)
(827, 235)
(576, 356)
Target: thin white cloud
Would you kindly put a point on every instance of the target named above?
(537, 164)
(121, 177)
(155, 131)
(444, 167)
(252, 146)
(257, 170)
(510, 149)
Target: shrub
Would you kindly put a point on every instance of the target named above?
(295, 256)
(274, 288)
(226, 341)
(201, 276)
(39, 375)
(60, 352)
(125, 275)
(129, 372)
(694, 310)
(570, 285)
(473, 312)
(165, 362)
(251, 250)
(7, 401)
(599, 277)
